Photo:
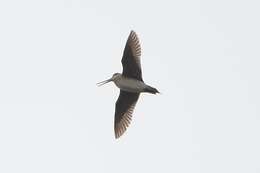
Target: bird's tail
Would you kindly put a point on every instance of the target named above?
(150, 89)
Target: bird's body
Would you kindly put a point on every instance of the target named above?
(130, 83)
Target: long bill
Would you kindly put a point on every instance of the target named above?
(104, 82)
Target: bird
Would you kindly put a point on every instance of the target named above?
(130, 83)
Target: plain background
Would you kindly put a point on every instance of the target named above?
(202, 55)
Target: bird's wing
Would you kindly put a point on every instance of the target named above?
(131, 57)
(125, 105)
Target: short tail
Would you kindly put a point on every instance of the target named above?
(150, 89)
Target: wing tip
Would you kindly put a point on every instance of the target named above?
(117, 136)
(132, 32)
(119, 133)
(134, 43)
(121, 128)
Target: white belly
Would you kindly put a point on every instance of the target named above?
(130, 85)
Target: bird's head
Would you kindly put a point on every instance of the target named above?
(113, 78)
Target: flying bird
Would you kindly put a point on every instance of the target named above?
(130, 83)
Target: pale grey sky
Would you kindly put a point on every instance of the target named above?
(202, 55)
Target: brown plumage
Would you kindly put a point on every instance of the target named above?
(130, 83)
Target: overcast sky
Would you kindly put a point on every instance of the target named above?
(202, 55)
